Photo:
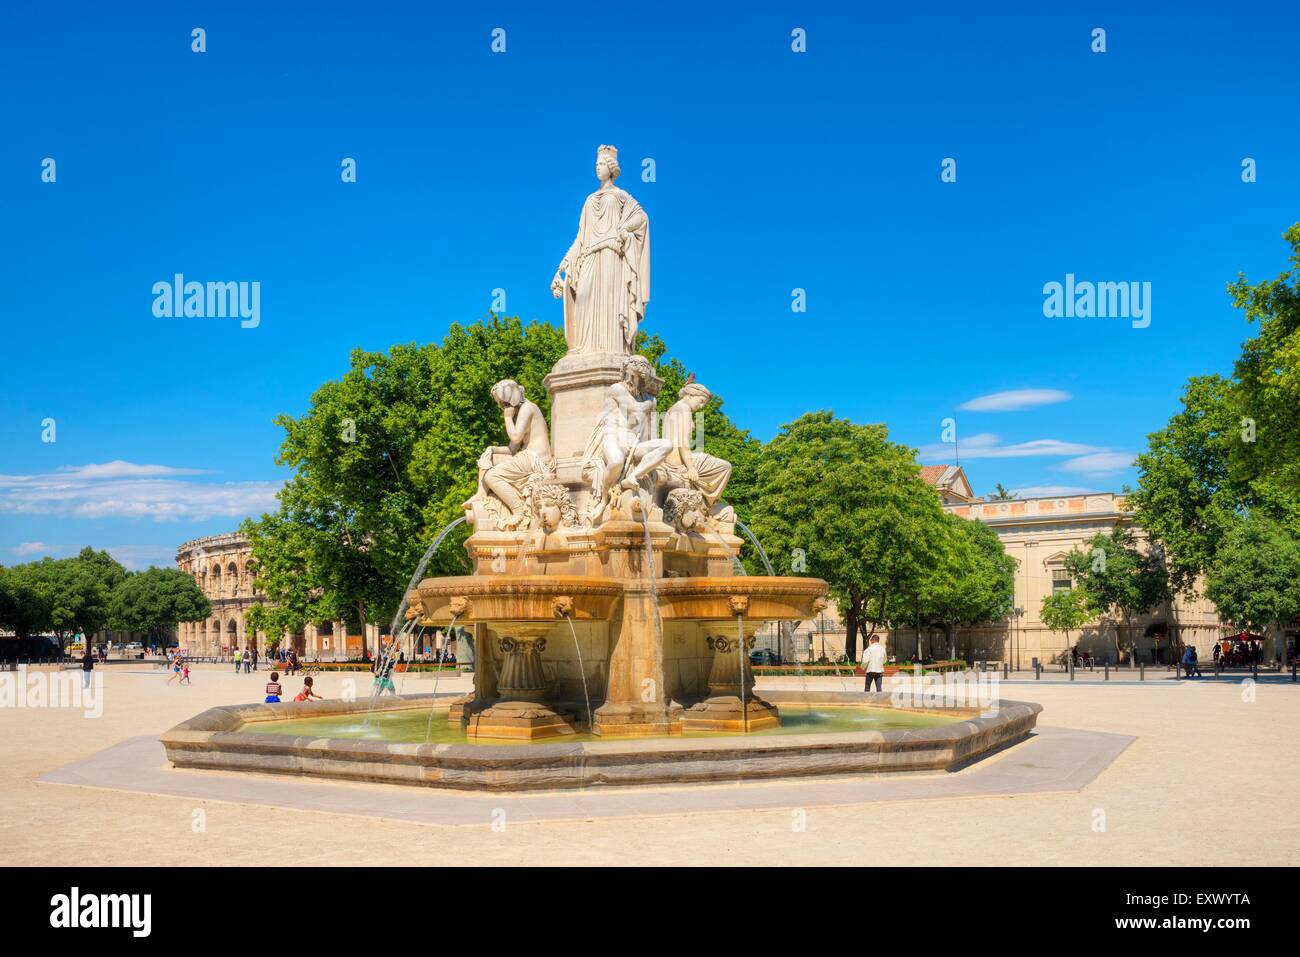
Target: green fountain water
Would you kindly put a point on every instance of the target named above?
(411, 725)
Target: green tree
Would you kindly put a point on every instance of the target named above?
(972, 580)
(154, 600)
(1267, 392)
(1187, 497)
(1234, 447)
(1067, 611)
(1254, 579)
(1002, 494)
(841, 502)
(25, 601)
(1119, 578)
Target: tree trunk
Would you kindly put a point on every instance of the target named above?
(361, 616)
(918, 655)
(851, 630)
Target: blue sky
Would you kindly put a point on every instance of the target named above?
(775, 170)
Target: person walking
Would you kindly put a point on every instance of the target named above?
(873, 663)
(87, 666)
(248, 661)
(1189, 662)
(236, 661)
(254, 665)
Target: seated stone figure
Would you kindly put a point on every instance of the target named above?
(682, 466)
(505, 470)
(623, 448)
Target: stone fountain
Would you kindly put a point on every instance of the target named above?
(603, 549)
(605, 601)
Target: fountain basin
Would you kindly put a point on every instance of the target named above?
(488, 598)
(221, 739)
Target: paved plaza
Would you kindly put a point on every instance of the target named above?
(1161, 772)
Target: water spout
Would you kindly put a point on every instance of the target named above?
(442, 656)
(419, 572)
(591, 720)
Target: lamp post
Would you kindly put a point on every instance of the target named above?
(1018, 639)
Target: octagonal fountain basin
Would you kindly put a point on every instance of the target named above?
(408, 740)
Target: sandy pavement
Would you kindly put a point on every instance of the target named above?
(1211, 779)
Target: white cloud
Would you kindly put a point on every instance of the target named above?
(119, 469)
(126, 490)
(138, 557)
(1014, 400)
(35, 548)
(1099, 463)
(1050, 491)
(985, 445)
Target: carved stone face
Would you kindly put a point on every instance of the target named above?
(551, 516)
(692, 518)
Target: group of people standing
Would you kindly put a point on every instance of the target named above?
(247, 659)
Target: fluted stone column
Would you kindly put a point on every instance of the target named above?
(732, 704)
(521, 711)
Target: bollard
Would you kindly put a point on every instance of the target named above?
(1142, 671)
(1293, 670)
(1072, 669)
(1178, 671)
(1038, 670)
(1006, 672)
(1107, 667)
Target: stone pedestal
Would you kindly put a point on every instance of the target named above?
(577, 386)
(731, 704)
(521, 712)
(636, 701)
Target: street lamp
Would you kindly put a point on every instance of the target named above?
(1016, 639)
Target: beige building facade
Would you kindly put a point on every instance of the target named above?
(1037, 533)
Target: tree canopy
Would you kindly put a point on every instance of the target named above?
(1254, 579)
(1234, 447)
(972, 581)
(151, 600)
(840, 501)
(63, 596)
(1119, 578)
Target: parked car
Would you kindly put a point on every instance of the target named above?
(764, 656)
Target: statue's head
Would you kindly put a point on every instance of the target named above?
(607, 169)
(694, 395)
(508, 392)
(551, 505)
(637, 374)
(686, 510)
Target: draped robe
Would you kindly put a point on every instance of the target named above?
(607, 274)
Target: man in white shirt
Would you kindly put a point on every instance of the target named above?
(873, 663)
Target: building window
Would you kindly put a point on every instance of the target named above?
(1060, 581)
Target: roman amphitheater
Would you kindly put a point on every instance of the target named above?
(223, 568)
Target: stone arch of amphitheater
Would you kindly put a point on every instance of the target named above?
(222, 567)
